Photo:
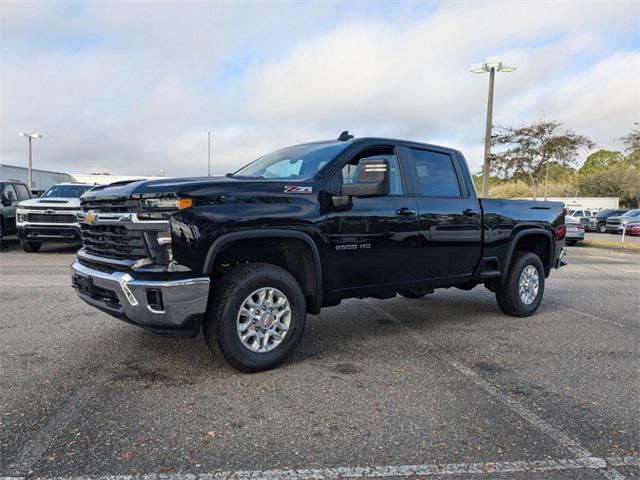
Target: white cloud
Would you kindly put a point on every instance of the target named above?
(133, 88)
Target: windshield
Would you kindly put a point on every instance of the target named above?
(632, 213)
(296, 163)
(66, 191)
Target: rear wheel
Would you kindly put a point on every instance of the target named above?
(602, 228)
(256, 317)
(414, 292)
(30, 246)
(1, 232)
(571, 242)
(520, 295)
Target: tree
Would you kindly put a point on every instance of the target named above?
(631, 142)
(531, 148)
(617, 181)
(600, 161)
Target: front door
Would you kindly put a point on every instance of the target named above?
(10, 210)
(371, 239)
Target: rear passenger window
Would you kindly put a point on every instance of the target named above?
(435, 173)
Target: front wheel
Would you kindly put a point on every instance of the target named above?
(30, 246)
(256, 316)
(602, 228)
(520, 295)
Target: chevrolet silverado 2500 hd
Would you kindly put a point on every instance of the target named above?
(51, 217)
(245, 257)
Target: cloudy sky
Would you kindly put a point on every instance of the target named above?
(133, 87)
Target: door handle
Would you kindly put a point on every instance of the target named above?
(405, 212)
(469, 212)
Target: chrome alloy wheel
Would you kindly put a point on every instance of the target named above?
(529, 284)
(264, 320)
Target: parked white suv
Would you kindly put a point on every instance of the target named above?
(51, 217)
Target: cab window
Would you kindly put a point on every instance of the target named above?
(10, 193)
(23, 193)
(435, 173)
(350, 169)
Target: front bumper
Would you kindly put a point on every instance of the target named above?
(156, 304)
(48, 233)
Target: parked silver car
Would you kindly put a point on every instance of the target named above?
(575, 231)
(617, 224)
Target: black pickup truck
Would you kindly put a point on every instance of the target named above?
(245, 257)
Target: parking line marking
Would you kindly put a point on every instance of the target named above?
(425, 470)
(593, 317)
(537, 422)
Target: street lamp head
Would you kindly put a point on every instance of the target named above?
(492, 63)
(29, 135)
(22, 134)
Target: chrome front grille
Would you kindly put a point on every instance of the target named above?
(113, 241)
(51, 218)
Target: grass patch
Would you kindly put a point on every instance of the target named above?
(628, 246)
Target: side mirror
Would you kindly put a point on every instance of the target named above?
(371, 180)
(5, 201)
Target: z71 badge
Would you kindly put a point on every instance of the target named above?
(297, 189)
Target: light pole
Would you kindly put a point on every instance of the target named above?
(209, 154)
(490, 65)
(30, 136)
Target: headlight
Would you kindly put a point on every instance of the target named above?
(167, 203)
(21, 217)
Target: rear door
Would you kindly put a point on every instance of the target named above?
(449, 218)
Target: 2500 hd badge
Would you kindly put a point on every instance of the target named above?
(245, 257)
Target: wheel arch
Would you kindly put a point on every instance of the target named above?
(310, 281)
(528, 240)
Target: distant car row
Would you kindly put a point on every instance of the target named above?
(50, 218)
(610, 220)
(606, 221)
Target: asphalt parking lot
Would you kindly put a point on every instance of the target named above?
(441, 386)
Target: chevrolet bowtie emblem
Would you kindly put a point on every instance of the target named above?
(90, 217)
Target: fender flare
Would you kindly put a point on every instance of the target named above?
(521, 234)
(218, 244)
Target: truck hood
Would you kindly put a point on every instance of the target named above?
(191, 186)
(51, 203)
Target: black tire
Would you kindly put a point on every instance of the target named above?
(1, 232)
(414, 292)
(507, 293)
(229, 293)
(571, 242)
(30, 246)
(602, 228)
